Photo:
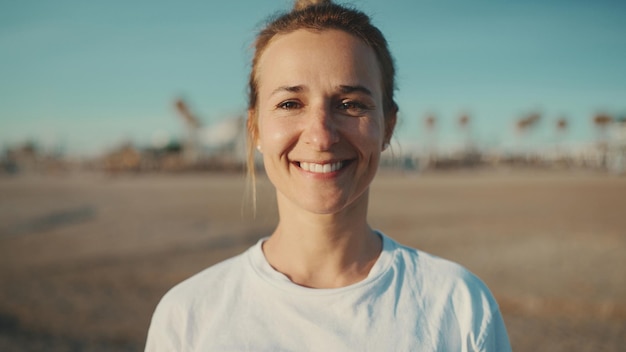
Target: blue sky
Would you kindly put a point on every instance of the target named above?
(89, 75)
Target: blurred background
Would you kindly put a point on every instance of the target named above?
(122, 157)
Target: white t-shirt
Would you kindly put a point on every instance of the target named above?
(410, 301)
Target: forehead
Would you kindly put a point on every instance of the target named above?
(318, 57)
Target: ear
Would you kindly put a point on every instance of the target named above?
(390, 124)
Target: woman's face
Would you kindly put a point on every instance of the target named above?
(320, 118)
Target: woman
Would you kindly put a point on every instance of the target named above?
(321, 111)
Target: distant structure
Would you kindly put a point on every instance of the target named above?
(219, 146)
(602, 123)
(126, 158)
(616, 153)
(191, 150)
(28, 158)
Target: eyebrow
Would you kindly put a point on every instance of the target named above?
(345, 89)
(291, 89)
(357, 88)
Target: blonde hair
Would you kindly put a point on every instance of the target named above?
(303, 4)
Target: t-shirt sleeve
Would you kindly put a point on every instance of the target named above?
(164, 333)
(483, 322)
(494, 335)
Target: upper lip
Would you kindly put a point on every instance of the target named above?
(321, 162)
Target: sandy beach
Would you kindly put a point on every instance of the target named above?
(84, 258)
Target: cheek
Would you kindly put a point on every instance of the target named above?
(370, 134)
(275, 134)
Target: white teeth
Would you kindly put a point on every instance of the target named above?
(321, 168)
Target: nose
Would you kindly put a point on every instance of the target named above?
(321, 130)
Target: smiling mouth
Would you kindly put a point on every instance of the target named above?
(322, 168)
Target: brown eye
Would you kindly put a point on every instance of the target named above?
(288, 105)
(353, 107)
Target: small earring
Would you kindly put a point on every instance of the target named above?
(258, 147)
(385, 146)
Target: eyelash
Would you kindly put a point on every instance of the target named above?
(344, 105)
(288, 105)
(349, 105)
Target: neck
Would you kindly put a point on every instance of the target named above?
(323, 250)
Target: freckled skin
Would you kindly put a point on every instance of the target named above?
(320, 101)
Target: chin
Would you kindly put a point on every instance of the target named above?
(329, 206)
(324, 209)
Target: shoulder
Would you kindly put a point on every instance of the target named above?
(205, 284)
(436, 272)
(175, 320)
(199, 290)
(453, 293)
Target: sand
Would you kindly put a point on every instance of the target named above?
(84, 258)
